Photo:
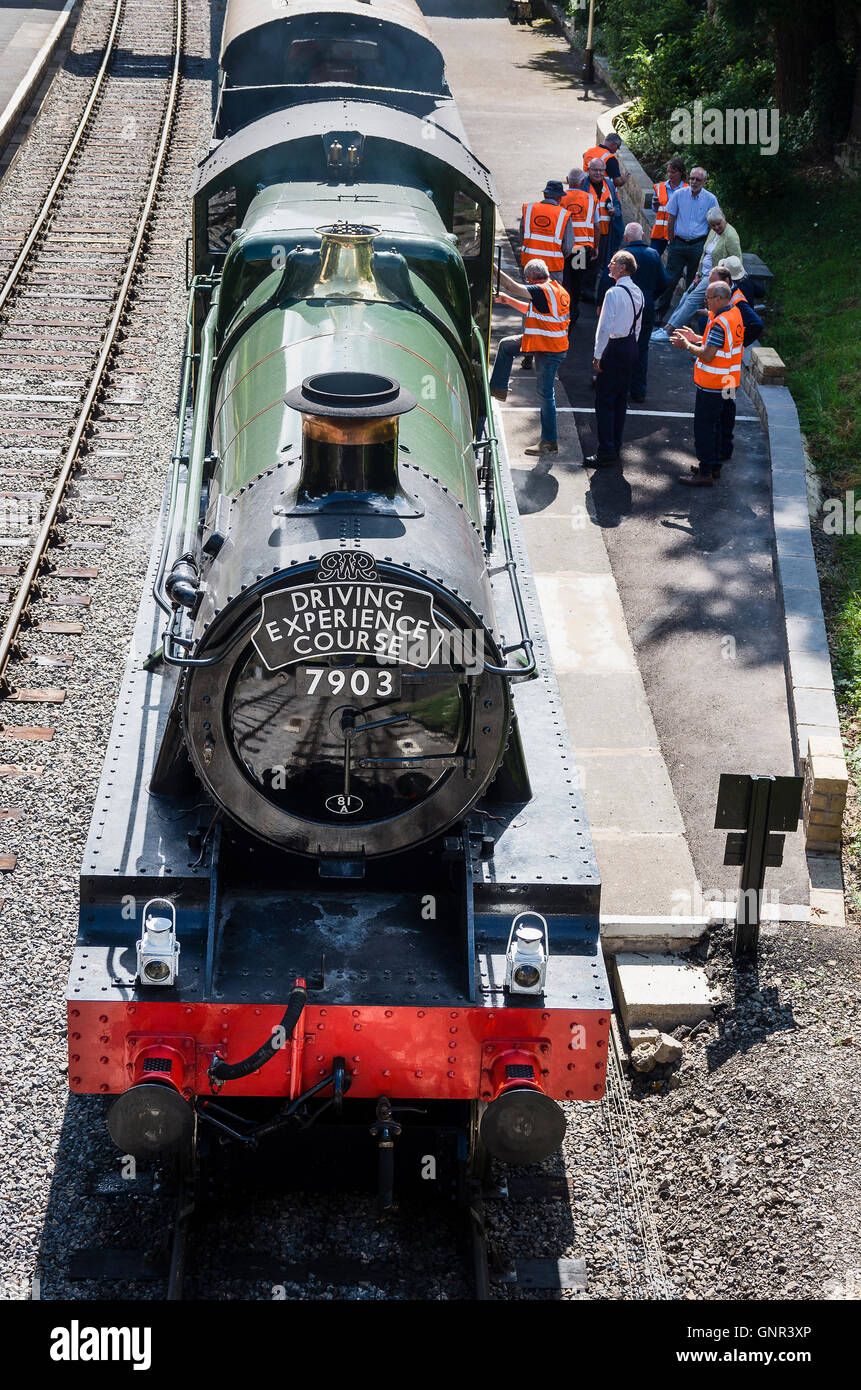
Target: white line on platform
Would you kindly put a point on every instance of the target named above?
(668, 414)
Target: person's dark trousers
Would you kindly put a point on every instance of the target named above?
(727, 426)
(610, 245)
(614, 238)
(659, 244)
(682, 257)
(572, 281)
(592, 275)
(708, 412)
(638, 380)
(612, 385)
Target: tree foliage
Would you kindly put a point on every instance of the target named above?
(801, 59)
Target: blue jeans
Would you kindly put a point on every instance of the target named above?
(547, 365)
(689, 303)
(683, 256)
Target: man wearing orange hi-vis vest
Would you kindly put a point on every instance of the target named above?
(717, 375)
(617, 177)
(583, 206)
(600, 192)
(545, 333)
(675, 179)
(546, 232)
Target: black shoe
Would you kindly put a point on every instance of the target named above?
(526, 364)
(639, 399)
(697, 479)
(715, 473)
(600, 460)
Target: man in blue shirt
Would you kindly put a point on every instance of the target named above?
(652, 280)
(687, 229)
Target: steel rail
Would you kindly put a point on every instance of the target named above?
(46, 530)
(634, 1201)
(74, 145)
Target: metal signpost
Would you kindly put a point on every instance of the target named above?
(755, 810)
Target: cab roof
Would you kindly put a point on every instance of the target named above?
(244, 17)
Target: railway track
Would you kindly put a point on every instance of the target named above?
(207, 1237)
(513, 1236)
(64, 296)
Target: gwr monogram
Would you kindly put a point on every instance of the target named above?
(347, 564)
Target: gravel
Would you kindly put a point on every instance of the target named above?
(754, 1156)
(42, 1127)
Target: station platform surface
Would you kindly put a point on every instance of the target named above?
(664, 617)
(25, 37)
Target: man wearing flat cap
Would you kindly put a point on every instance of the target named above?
(547, 234)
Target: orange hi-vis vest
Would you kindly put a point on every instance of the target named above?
(548, 332)
(605, 206)
(738, 296)
(662, 217)
(543, 230)
(582, 209)
(724, 370)
(598, 152)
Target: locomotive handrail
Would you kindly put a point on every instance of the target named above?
(525, 644)
(181, 583)
(171, 639)
(178, 458)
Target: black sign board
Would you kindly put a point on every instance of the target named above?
(755, 810)
(348, 611)
(734, 798)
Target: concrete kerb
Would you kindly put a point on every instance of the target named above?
(815, 720)
(27, 87)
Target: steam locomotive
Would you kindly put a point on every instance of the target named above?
(339, 876)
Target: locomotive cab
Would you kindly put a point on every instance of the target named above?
(274, 58)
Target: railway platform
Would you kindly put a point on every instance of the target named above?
(665, 619)
(29, 35)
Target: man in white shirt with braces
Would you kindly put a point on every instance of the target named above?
(615, 358)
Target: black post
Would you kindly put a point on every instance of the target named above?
(758, 811)
(747, 918)
(589, 65)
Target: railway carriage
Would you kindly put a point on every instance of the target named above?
(339, 873)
